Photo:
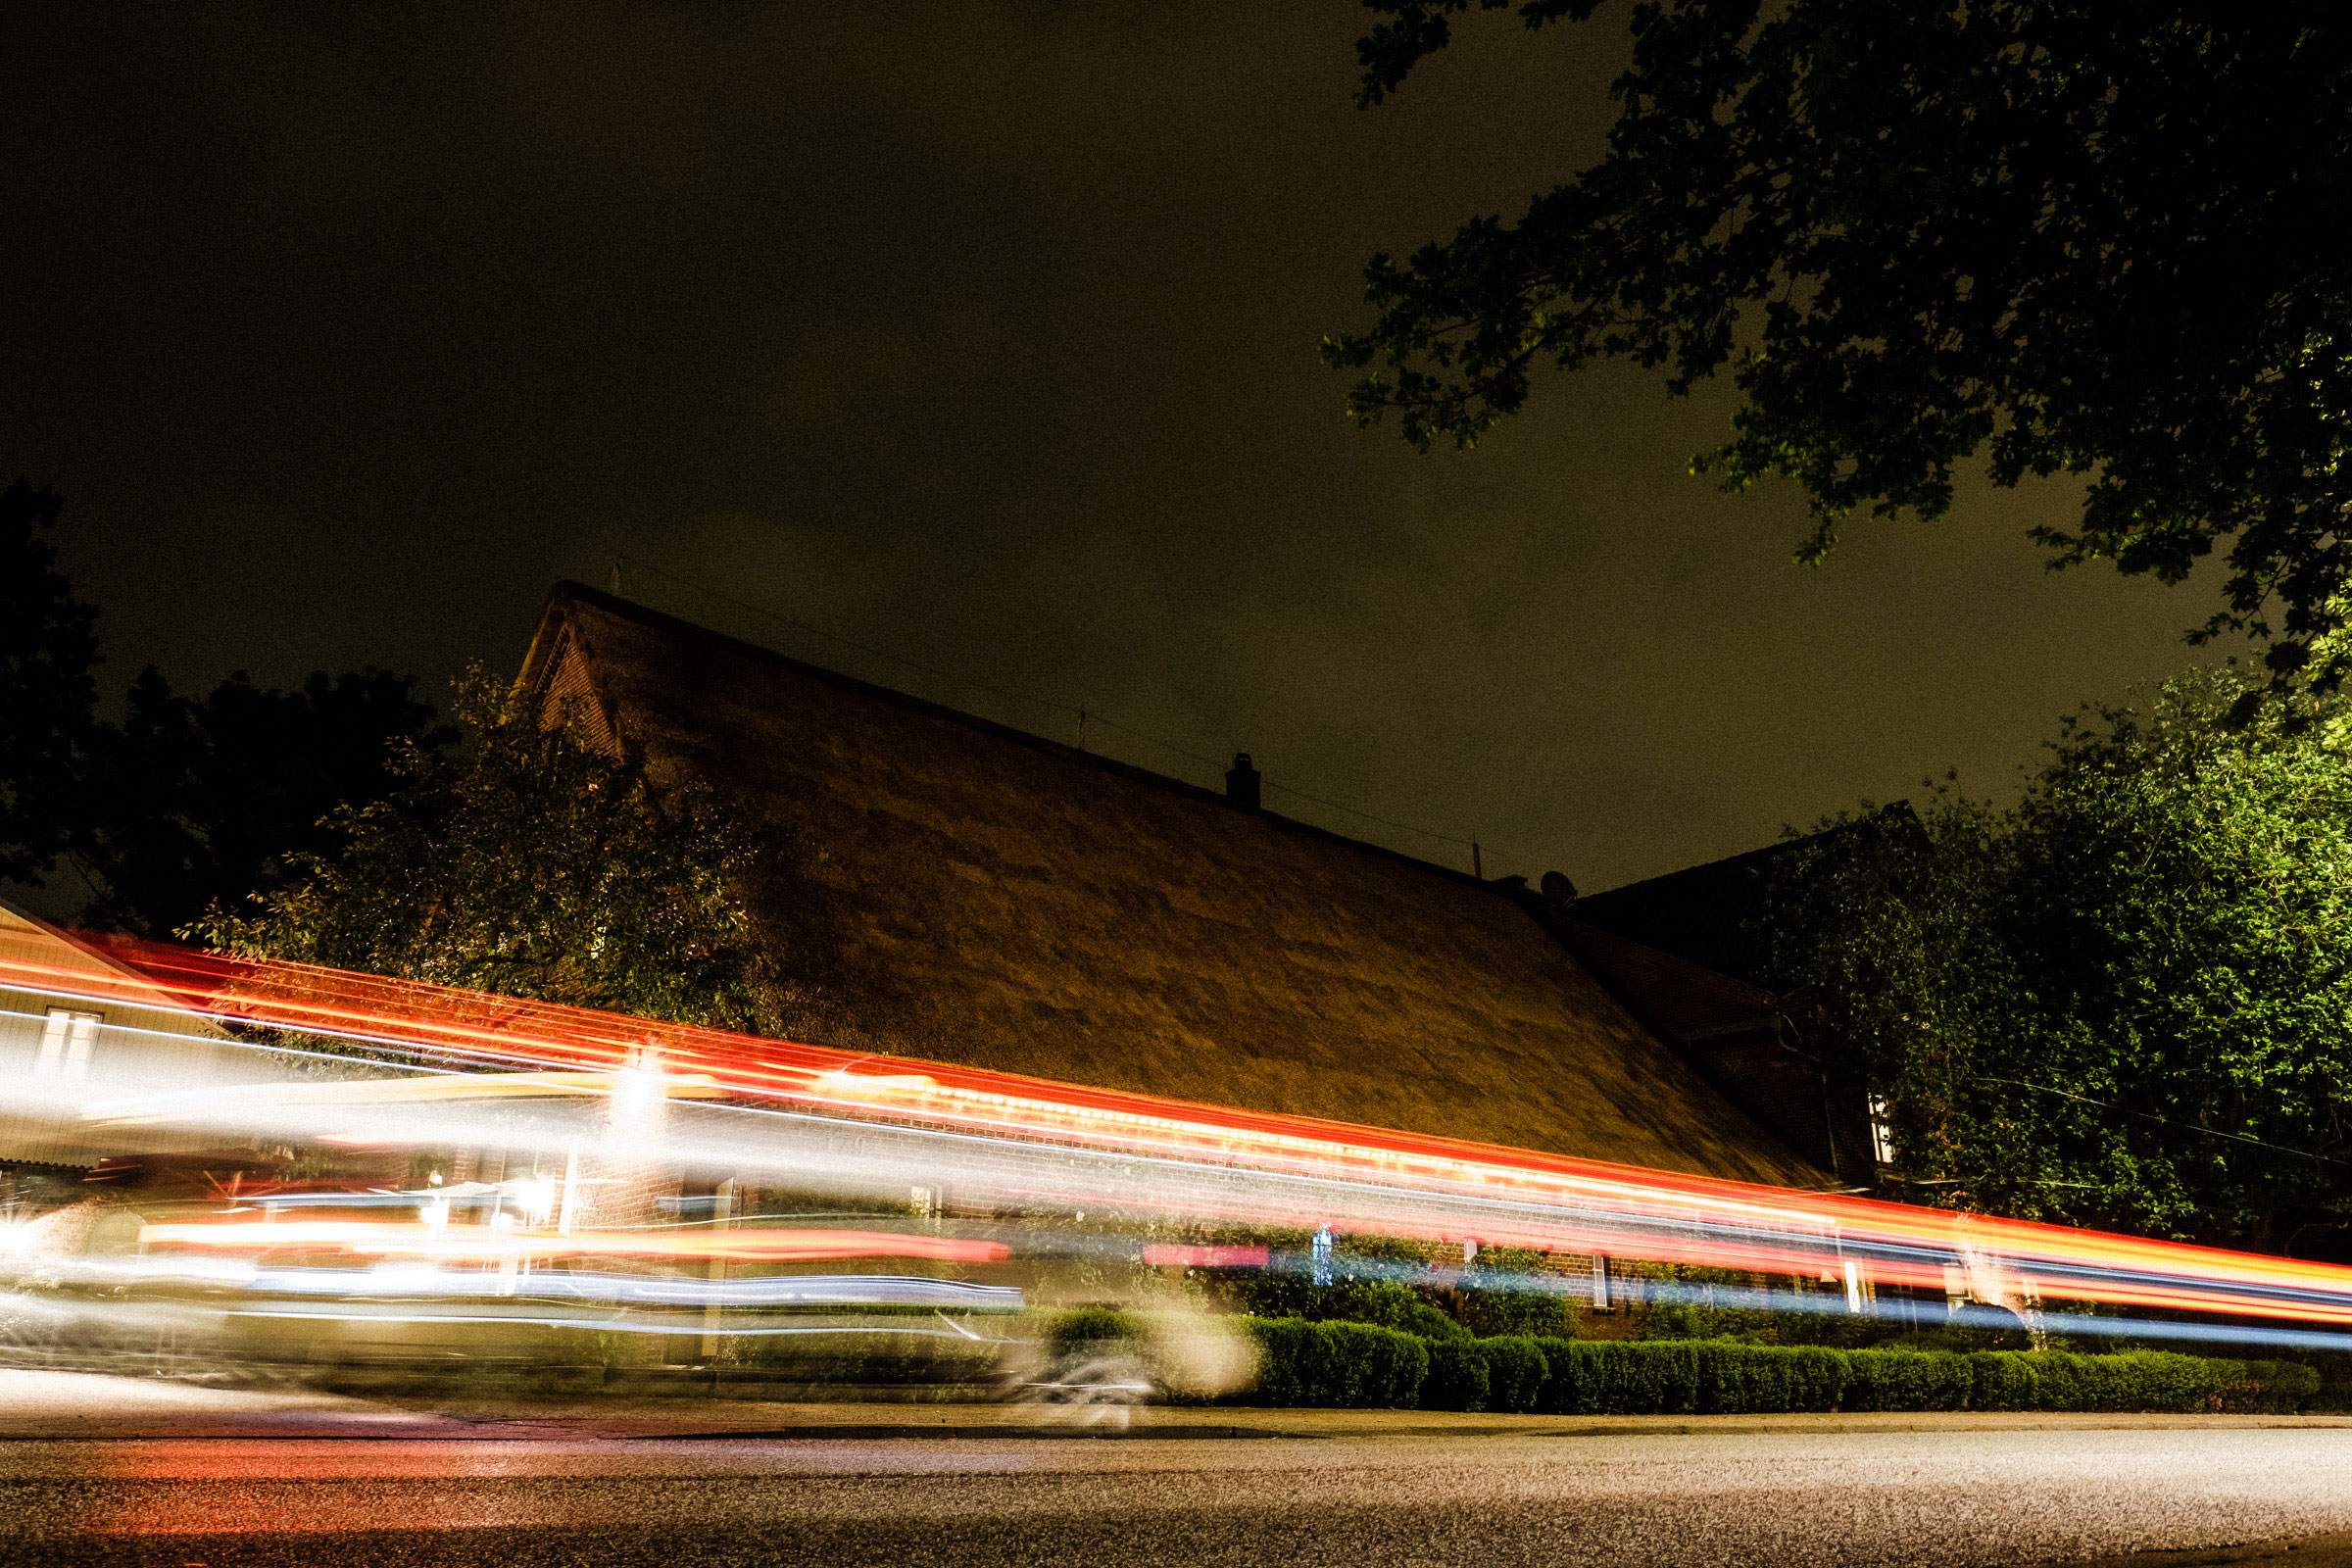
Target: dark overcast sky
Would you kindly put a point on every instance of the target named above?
(981, 335)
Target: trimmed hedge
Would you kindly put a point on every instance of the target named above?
(1362, 1365)
(1345, 1365)
(1516, 1372)
(1458, 1379)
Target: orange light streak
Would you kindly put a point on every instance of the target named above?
(544, 1038)
(482, 1243)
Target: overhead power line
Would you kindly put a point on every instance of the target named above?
(2149, 1115)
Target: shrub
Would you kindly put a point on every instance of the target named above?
(1734, 1379)
(1282, 1359)
(1381, 1301)
(2163, 1380)
(1458, 1376)
(1516, 1372)
(1431, 1324)
(1385, 1368)
(2280, 1386)
(2002, 1380)
(1816, 1377)
(1085, 1327)
(1647, 1377)
(1737, 1379)
(1563, 1363)
(1908, 1380)
(1361, 1364)
(1344, 1365)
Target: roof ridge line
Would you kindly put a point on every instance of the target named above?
(568, 591)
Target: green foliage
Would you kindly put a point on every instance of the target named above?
(1357, 1365)
(865, 1352)
(48, 651)
(2271, 1387)
(1491, 1306)
(1392, 1249)
(1431, 1324)
(1517, 1372)
(1336, 1364)
(1657, 1377)
(1700, 1318)
(1388, 1367)
(1280, 1293)
(1562, 1370)
(1379, 1302)
(2125, 1001)
(2135, 1380)
(2002, 1382)
(1738, 1379)
(534, 864)
(1458, 1378)
(186, 800)
(1908, 1380)
(192, 803)
(1085, 1327)
(2085, 240)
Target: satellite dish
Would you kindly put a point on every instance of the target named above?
(1556, 887)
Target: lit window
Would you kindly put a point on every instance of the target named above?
(1882, 1131)
(66, 1041)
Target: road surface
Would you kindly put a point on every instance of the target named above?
(1659, 1500)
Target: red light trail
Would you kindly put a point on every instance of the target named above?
(1556, 1201)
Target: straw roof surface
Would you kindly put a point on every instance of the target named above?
(965, 893)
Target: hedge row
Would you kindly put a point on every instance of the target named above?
(1360, 1365)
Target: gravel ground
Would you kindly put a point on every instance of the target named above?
(1914, 1497)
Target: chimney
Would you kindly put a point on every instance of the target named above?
(1240, 782)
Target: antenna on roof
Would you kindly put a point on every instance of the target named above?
(1477, 869)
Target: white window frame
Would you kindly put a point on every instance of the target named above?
(1882, 1131)
(68, 1038)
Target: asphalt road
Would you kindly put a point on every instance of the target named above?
(1660, 1501)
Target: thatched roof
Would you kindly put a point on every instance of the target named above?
(970, 894)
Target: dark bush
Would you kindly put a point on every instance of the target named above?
(1431, 1324)
(1737, 1379)
(2274, 1387)
(1563, 1373)
(2163, 1380)
(1379, 1302)
(1343, 1365)
(2002, 1380)
(1659, 1376)
(1360, 1364)
(1386, 1368)
(1516, 1372)
(1086, 1327)
(1816, 1377)
(1283, 1360)
(1458, 1376)
(1908, 1380)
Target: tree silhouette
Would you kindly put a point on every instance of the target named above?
(2098, 238)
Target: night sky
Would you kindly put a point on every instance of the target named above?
(979, 336)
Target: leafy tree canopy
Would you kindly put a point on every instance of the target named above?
(48, 652)
(196, 800)
(185, 801)
(2127, 1000)
(2087, 237)
(532, 864)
